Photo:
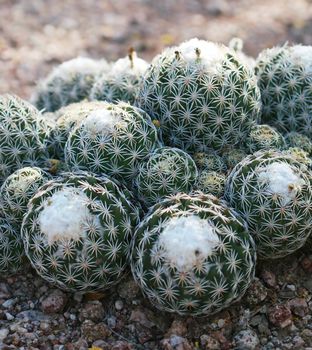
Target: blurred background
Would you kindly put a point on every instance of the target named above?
(36, 35)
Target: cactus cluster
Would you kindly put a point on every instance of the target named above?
(112, 140)
(161, 168)
(203, 95)
(69, 82)
(122, 81)
(77, 231)
(273, 192)
(166, 171)
(284, 78)
(22, 135)
(192, 255)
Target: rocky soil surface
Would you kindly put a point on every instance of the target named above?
(276, 312)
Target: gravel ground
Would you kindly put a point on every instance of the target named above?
(276, 312)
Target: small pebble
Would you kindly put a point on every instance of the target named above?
(119, 305)
(9, 317)
(8, 303)
(247, 340)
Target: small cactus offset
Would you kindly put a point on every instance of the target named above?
(264, 137)
(232, 157)
(285, 78)
(68, 83)
(192, 255)
(300, 156)
(210, 161)
(112, 140)
(77, 232)
(17, 190)
(273, 193)
(297, 140)
(203, 95)
(211, 182)
(12, 253)
(122, 82)
(23, 134)
(164, 172)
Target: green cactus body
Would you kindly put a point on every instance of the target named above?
(122, 82)
(264, 137)
(22, 135)
(211, 182)
(232, 157)
(77, 232)
(273, 193)
(68, 83)
(67, 118)
(202, 94)
(166, 171)
(285, 78)
(210, 161)
(12, 253)
(112, 140)
(17, 190)
(297, 140)
(192, 255)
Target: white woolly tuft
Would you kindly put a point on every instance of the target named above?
(124, 66)
(209, 53)
(79, 65)
(281, 179)
(302, 55)
(185, 241)
(64, 214)
(101, 121)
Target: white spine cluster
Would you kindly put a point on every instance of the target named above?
(204, 52)
(302, 55)
(101, 121)
(64, 214)
(280, 179)
(79, 65)
(186, 241)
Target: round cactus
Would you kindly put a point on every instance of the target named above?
(66, 119)
(211, 182)
(285, 78)
(210, 161)
(12, 253)
(17, 190)
(122, 81)
(273, 193)
(294, 139)
(69, 82)
(22, 135)
(112, 140)
(264, 137)
(166, 171)
(77, 232)
(203, 95)
(192, 255)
